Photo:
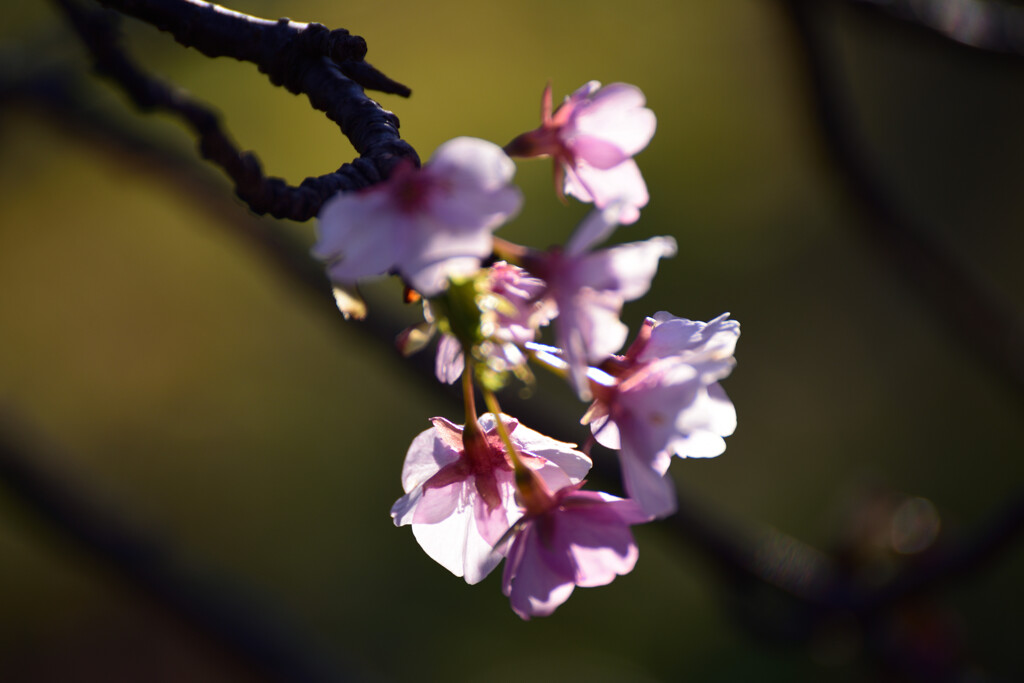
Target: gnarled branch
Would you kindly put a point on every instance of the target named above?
(326, 66)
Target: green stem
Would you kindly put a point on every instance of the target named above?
(492, 405)
(471, 431)
(468, 397)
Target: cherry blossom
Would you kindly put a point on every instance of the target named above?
(494, 488)
(460, 489)
(663, 399)
(426, 224)
(590, 287)
(593, 137)
(511, 312)
(567, 539)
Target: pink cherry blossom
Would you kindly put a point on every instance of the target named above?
(511, 311)
(568, 539)
(460, 489)
(511, 308)
(593, 137)
(589, 289)
(426, 224)
(664, 399)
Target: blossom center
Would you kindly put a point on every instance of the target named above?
(411, 188)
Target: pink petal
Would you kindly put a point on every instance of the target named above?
(600, 543)
(703, 424)
(620, 183)
(588, 330)
(492, 523)
(436, 254)
(534, 588)
(617, 114)
(655, 493)
(596, 152)
(626, 269)
(475, 192)
(360, 235)
(606, 433)
(562, 456)
(627, 509)
(405, 507)
(456, 545)
(582, 93)
(472, 163)
(426, 456)
(691, 338)
(595, 227)
(450, 362)
(440, 503)
(572, 185)
(651, 403)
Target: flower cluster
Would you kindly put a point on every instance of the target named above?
(492, 488)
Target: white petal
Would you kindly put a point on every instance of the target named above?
(594, 229)
(436, 254)
(404, 508)
(563, 455)
(625, 269)
(655, 493)
(359, 235)
(474, 177)
(596, 151)
(472, 162)
(606, 433)
(450, 361)
(703, 424)
(426, 456)
(446, 541)
(619, 183)
(692, 339)
(617, 114)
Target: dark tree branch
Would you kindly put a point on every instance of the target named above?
(278, 48)
(957, 558)
(970, 311)
(215, 609)
(304, 58)
(990, 25)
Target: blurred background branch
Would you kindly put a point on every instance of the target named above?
(249, 635)
(992, 25)
(977, 315)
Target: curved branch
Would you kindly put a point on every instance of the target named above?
(990, 25)
(304, 58)
(970, 310)
(278, 48)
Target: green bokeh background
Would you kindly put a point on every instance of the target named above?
(204, 396)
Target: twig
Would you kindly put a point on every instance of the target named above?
(970, 311)
(304, 58)
(990, 25)
(957, 558)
